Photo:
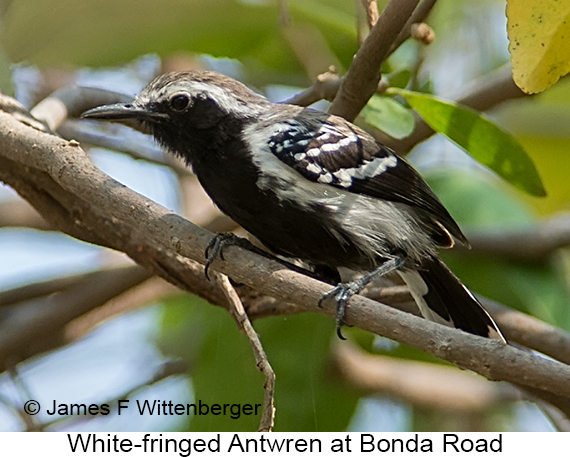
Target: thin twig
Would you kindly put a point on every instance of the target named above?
(24, 393)
(284, 14)
(371, 8)
(149, 291)
(18, 410)
(51, 286)
(39, 324)
(263, 365)
(71, 101)
(363, 76)
(422, 32)
(419, 15)
(325, 88)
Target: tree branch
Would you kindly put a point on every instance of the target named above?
(530, 332)
(371, 8)
(539, 241)
(31, 328)
(71, 101)
(422, 384)
(363, 76)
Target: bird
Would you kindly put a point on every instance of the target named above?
(310, 186)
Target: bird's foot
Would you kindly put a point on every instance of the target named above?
(341, 294)
(217, 245)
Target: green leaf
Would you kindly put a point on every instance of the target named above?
(110, 32)
(399, 78)
(104, 36)
(480, 137)
(388, 115)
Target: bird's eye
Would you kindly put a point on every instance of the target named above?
(180, 102)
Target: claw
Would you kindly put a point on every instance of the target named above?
(216, 247)
(220, 241)
(340, 314)
(341, 294)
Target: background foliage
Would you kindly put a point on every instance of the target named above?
(277, 49)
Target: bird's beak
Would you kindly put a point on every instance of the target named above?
(124, 111)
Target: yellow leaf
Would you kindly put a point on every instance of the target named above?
(539, 36)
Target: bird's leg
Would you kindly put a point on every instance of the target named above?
(220, 241)
(342, 292)
(216, 247)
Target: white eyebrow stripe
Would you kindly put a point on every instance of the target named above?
(226, 101)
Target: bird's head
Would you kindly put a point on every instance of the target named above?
(189, 109)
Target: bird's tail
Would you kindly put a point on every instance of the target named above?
(441, 297)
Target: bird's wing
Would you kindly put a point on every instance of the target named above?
(331, 151)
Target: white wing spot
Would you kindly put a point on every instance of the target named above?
(314, 168)
(345, 180)
(330, 147)
(324, 136)
(375, 167)
(329, 129)
(326, 178)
